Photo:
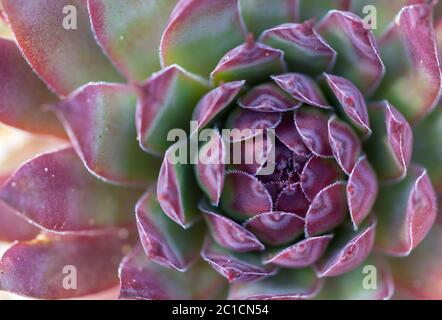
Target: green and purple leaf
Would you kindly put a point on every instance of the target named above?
(100, 121)
(406, 211)
(23, 94)
(409, 49)
(167, 101)
(60, 49)
(390, 147)
(347, 250)
(44, 268)
(200, 32)
(130, 34)
(305, 51)
(253, 62)
(78, 201)
(164, 241)
(358, 57)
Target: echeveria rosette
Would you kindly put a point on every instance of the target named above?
(355, 124)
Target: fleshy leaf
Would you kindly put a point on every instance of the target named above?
(362, 191)
(409, 49)
(347, 250)
(242, 267)
(22, 94)
(253, 61)
(292, 199)
(177, 189)
(350, 100)
(288, 134)
(287, 284)
(358, 57)
(373, 280)
(406, 212)
(167, 102)
(268, 98)
(130, 34)
(260, 15)
(78, 202)
(276, 228)
(13, 227)
(302, 254)
(200, 32)
(62, 50)
(305, 51)
(253, 155)
(344, 143)
(327, 210)
(39, 268)
(100, 120)
(313, 128)
(426, 146)
(317, 9)
(210, 167)
(164, 241)
(390, 147)
(215, 103)
(239, 204)
(244, 123)
(228, 233)
(385, 12)
(142, 279)
(418, 276)
(302, 88)
(317, 174)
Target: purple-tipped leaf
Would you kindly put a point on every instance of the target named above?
(268, 98)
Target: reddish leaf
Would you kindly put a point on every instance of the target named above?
(268, 98)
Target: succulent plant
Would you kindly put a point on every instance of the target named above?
(342, 108)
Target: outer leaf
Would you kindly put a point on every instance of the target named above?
(373, 280)
(409, 50)
(358, 56)
(287, 284)
(418, 276)
(13, 227)
(167, 102)
(23, 108)
(318, 8)
(38, 268)
(200, 32)
(100, 120)
(78, 202)
(304, 49)
(390, 147)
(260, 15)
(140, 278)
(408, 214)
(65, 57)
(164, 241)
(426, 151)
(131, 34)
